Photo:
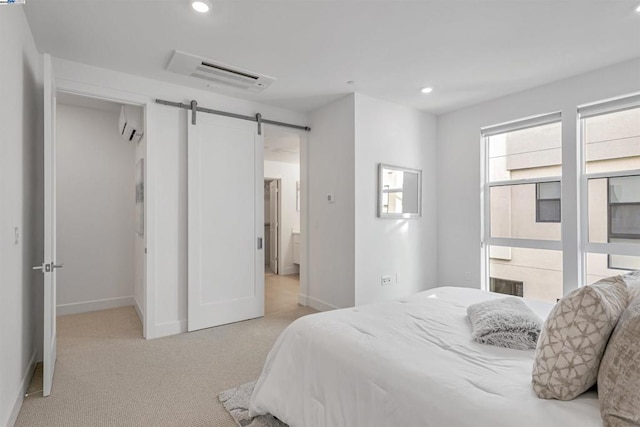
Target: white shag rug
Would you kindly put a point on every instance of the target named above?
(236, 402)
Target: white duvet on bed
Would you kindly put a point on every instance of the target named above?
(405, 363)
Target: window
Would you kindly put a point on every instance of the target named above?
(610, 134)
(524, 198)
(548, 201)
(624, 218)
(509, 287)
(522, 206)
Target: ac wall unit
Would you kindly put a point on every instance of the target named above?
(217, 74)
(130, 123)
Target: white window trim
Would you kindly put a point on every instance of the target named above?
(583, 112)
(574, 242)
(487, 184)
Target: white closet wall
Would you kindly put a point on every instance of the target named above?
(95, 206)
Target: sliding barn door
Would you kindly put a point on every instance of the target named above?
(226, 209)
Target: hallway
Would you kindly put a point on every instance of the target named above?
(280, 293)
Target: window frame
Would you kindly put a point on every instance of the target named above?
(486, 240)
(604, 107)
(487, 184)
(574, 244)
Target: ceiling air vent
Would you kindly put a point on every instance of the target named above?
(217, 74)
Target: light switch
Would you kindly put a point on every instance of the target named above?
(330, 198)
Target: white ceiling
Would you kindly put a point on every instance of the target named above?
(281, 145)
(468, 50)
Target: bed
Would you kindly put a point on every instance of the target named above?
(409, 362)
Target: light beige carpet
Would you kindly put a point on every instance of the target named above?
(107, 375)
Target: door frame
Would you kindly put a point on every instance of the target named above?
(279, 220)
(122, 97)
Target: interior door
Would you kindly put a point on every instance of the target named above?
(226, 221)
(49, 265)
(274, 230)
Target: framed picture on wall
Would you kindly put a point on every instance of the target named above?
(140, 197)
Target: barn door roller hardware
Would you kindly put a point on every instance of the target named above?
(193, 106)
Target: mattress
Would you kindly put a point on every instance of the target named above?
(409, 362)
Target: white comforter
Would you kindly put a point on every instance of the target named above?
(405, 363)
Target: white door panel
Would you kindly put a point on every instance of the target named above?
(49, 266)
(274, 230)
(225, 218)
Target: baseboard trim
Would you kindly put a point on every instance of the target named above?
(303, 299)
(167, 329)
(290, 270)
(95, 305)
(138, 310)
(26, 379)
(319, 304)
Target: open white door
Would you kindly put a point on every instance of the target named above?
(226, 221)
(49, 265)
(274, 216)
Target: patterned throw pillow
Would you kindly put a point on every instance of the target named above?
(632, 281)
(574, 338)
(619, 376)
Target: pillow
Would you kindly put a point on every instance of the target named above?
(619, 376)
(505, 322)
(632, 280)
(574, 338)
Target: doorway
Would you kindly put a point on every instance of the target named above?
(99, 206)
(282, 219)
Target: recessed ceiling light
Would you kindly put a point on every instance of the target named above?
(427, 90)
(201, 6)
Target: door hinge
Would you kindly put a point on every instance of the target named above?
(259, 243)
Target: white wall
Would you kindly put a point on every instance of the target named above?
(288, 173)
(95, 211)
(400, 136)
(166, 176)
(331, 170)
(459, 163)
(20, 206)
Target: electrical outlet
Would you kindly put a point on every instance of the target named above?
(385, 280)
(467, 276)
(16, 235)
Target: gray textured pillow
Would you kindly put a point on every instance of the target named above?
(574, 338)
(619, 375)
(632, 280)
(505, 322)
